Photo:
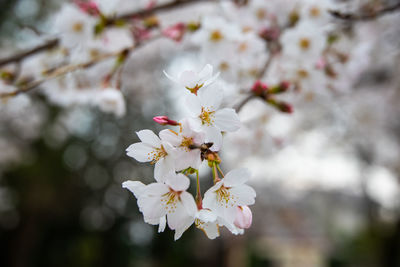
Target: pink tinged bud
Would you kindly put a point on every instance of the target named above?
(175, 32)
(284, 85)
(285, 107)
(89, 7)
(269, 34)
(321, 63)
(243, 218)
(164, 120)
(259, 88)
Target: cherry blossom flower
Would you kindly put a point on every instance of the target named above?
(169, 199)
(186, 142)
(229, 193)
(193, 80)
(153, 150)
(207, 117)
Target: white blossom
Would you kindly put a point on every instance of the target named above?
(153, 150)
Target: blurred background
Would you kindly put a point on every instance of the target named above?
(326, 176)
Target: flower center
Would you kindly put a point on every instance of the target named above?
(315, 11)
(225, 198)
(77, 27)
(169, 200)
(216, 36)
(194, 89)
(304, 43)
(261, 13)
(157, 154)
(207, 116)
(186, 143)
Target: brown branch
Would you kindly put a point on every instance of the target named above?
(71, 68)
(365, 17)
(141, 13)
(160, 8)
(18, 57)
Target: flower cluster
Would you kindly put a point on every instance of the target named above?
(176, 154)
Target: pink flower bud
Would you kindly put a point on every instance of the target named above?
(259, 88)
(89, 7)
(269, 34)
(321, 63)
(243, 217)
(284, 85)
(175, 32)
(164, 120)
(285, 107)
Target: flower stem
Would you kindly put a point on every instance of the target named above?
(199, 200)
(215, 173)
(220, 171)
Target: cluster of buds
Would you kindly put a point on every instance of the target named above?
(262, 90)
(179, 153)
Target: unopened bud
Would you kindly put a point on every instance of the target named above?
(280, 88)
(259, 88)
(175, 32)
(243, 218)
(89, 7)
(285, 107)
(164, 120)
(269, 34)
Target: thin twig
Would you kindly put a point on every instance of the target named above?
(365, 17)
(140, 13)
(160, 8)
(18, 57)
(71, 68)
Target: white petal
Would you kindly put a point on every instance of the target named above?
(149, 137)
(244, 195)
(193, 105)
(206, 215)
(171, 77)
(211, 98)
(211, 230)
(178, 182)
(156, 189)
(179, 231)
(213, 135)
(210, 197)
(163, 167)
(212, 79)
(151, 207)
(236, 177)
(177, 217)
(188, 78)
(135, 187)
(186, 159)
(171, 137)
(227, 120)
(205, 73)
(163, 223)
(140, 152)
(189, 203)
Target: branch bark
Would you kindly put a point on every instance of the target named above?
(140, 13)
(365, 17)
